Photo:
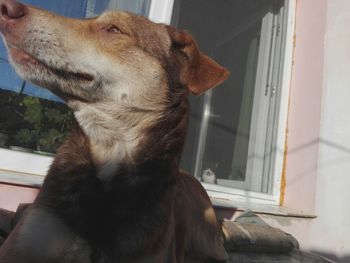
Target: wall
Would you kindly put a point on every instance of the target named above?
(305, 105)
(319, 128)
(331, 231)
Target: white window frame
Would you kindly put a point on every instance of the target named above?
(32, 168)
(161, 11)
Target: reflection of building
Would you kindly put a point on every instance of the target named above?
(238, 131)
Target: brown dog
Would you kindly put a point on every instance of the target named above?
(114, 192)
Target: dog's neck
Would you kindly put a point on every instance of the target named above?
(123, 136)
(76, 194)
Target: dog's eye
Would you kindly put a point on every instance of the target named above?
(113, 29)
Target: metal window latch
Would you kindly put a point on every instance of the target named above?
(278, 29)
(267, 89)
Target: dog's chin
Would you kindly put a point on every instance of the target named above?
(38, 72)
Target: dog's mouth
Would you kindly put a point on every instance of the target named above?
(23, 58)
(73, 75)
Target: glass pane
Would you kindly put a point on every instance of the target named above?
(188, 161)
(33, 119)
(227, 141)
(230, 32)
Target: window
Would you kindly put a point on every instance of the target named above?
(233, 135)
(236, 136)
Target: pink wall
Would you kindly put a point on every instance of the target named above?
(305, 105)
(11, 196)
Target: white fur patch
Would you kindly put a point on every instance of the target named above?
(114, 131)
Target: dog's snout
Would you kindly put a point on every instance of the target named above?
(11, 9)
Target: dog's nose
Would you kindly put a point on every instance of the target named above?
(11, 9)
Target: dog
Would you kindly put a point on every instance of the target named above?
(114, 192)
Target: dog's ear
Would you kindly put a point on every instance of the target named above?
(202, 72)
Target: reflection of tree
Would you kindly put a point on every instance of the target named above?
(33, 123)
(47, 125)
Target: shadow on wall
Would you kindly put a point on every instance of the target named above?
(345, 259)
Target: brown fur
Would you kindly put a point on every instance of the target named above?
(114, 192)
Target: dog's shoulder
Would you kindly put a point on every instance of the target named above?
(196, 220)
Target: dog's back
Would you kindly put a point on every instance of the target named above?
(197, 228)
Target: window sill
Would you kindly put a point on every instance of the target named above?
(226, 198)
(258, 208)
(24, 163)
(22, 179)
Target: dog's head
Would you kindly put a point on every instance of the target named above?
(114, 56)
(119, 65)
